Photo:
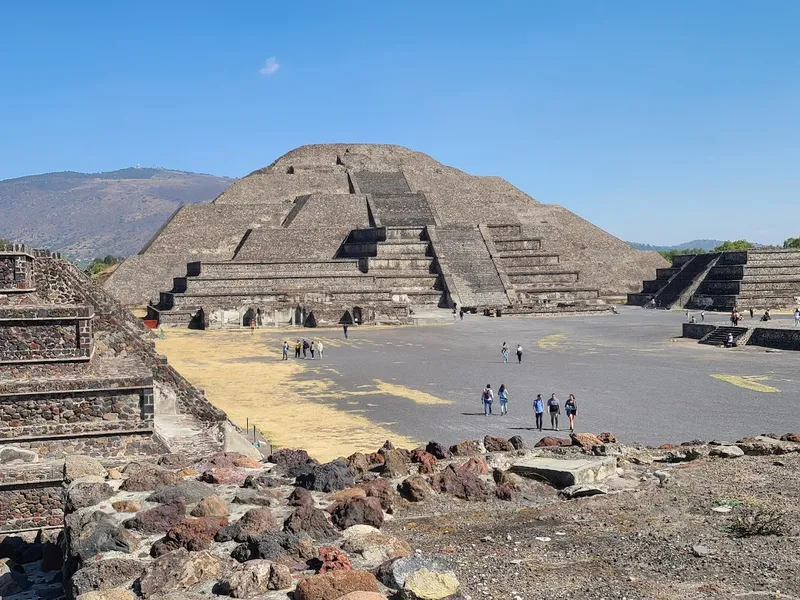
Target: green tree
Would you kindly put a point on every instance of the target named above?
(733, 246)
(792, 243)
(4, 242)
(671, 254)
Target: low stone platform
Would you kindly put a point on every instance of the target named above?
(782, 335)
(561, 473)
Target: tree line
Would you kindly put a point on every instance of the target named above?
(728, 246)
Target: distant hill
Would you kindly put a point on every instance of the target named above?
(703, 244)
(88, 215)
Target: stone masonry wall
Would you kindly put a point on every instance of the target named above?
(37, 340)
(32, 505)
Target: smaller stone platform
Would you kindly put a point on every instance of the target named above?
(781, 335)
(562, 473)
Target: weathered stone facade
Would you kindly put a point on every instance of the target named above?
(282, 240)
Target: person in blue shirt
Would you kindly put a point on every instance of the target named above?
(538, 408)
(502, 394)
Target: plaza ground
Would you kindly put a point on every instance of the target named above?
(417, 383)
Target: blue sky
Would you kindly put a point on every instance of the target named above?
(660, 122)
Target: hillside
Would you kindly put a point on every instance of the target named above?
(85, 215)
(702, 244)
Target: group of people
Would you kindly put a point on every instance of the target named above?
(553, 407)
(304, 346)
(505, 349)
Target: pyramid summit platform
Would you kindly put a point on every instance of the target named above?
(372, 233)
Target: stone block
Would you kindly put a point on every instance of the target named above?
(561, 473)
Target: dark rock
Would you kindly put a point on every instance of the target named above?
(13, 580)
(791, 437)
(175, 460)
(460, 483)
(289, 460)
(187, 492)
(265, 481)
(580, 491)
(301, 497)
(437, 450)
(272, 545)
(89, 534)
(357, 511)
(607, 437)
(506, 491)
(334, 585)
(517, 442)
(328, 477)
(310, 520)
(497, 444)
(359, 463)
(255, 521)
(414, 488)
(104, 574)
(145, 477)
(221, 475)
(52, 557)
(83, 494)
(192, 534)
(158, 519)
(257, 497)
(388, 446)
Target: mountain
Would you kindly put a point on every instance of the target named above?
(87, 215)
(702, 244)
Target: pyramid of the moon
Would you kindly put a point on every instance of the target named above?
(372, 232)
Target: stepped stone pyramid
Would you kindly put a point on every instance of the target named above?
(333, 232)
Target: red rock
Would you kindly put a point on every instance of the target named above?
(607, 438)
(334, 585)
(415, 488)
(301, 497)
(791, 437)
(382, 490)
(497, 444)
(668, 446)
(506, 491)
(143, 477)
(461, 483)
(360, 463)
(223, 475)
(552, 442)
(158, 519)
(192, 534)
(585, 440)
(425, 460)
(375, 459)
(476, 464)
(333, 559)
(466, 448)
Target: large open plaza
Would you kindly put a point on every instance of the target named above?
(628, 372)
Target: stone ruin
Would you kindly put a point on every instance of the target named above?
(758, 278)
(79, 375)
(362, 232)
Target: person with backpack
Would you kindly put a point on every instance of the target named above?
(538, 408)
(502, 394)
(571, 409)
(312, 350)
(488, 398)
(297, 347)
(519, 353)
(504, 351)
(554, 406)
(285, 350)
(305, 348)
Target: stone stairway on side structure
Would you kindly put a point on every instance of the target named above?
(719, 336)
(536, 281)
(675, 286)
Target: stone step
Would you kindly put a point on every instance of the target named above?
(541, 293)
(413, 248)
(719, 336)
(256, 269)
(758, 270)
(405, 265)
(511, 244)
(561, 473)
(522, 280)
(529, 260)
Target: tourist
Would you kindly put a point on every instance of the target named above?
(258, 317)
(305, 347)
(487, 397)
(538, 408)
(252, 324)
(519, 354)
(733, 318)
(729, 343)
(554, 406)
(702, 315)
(687, 315)
(297, 347)
(461, 314)
(504, 350)
(320, 347)
(571, 409)
(502, 394)
(766, 317)
(345, 330)
(797, 317)
(285, 350)
(312, 350)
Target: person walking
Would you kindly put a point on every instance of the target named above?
(285, 350)
(487, 397)
(305, 348)
(297, 347)
(504, 350)
(554, 406)
(702, 315)
(519, 354)
(538, 408)
(797, 317)
(320, 348)
(502, 394)
(461, 314)
(345, 330)
(312, 350)
(571, 409)
(751, 312)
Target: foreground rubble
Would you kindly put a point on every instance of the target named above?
(573, 518)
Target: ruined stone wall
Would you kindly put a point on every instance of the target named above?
(31, 505)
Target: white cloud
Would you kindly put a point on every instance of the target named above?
(270, 66)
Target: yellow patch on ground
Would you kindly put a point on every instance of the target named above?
(241, 373)
(748, 382)
(401, 391)
(552, 341)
